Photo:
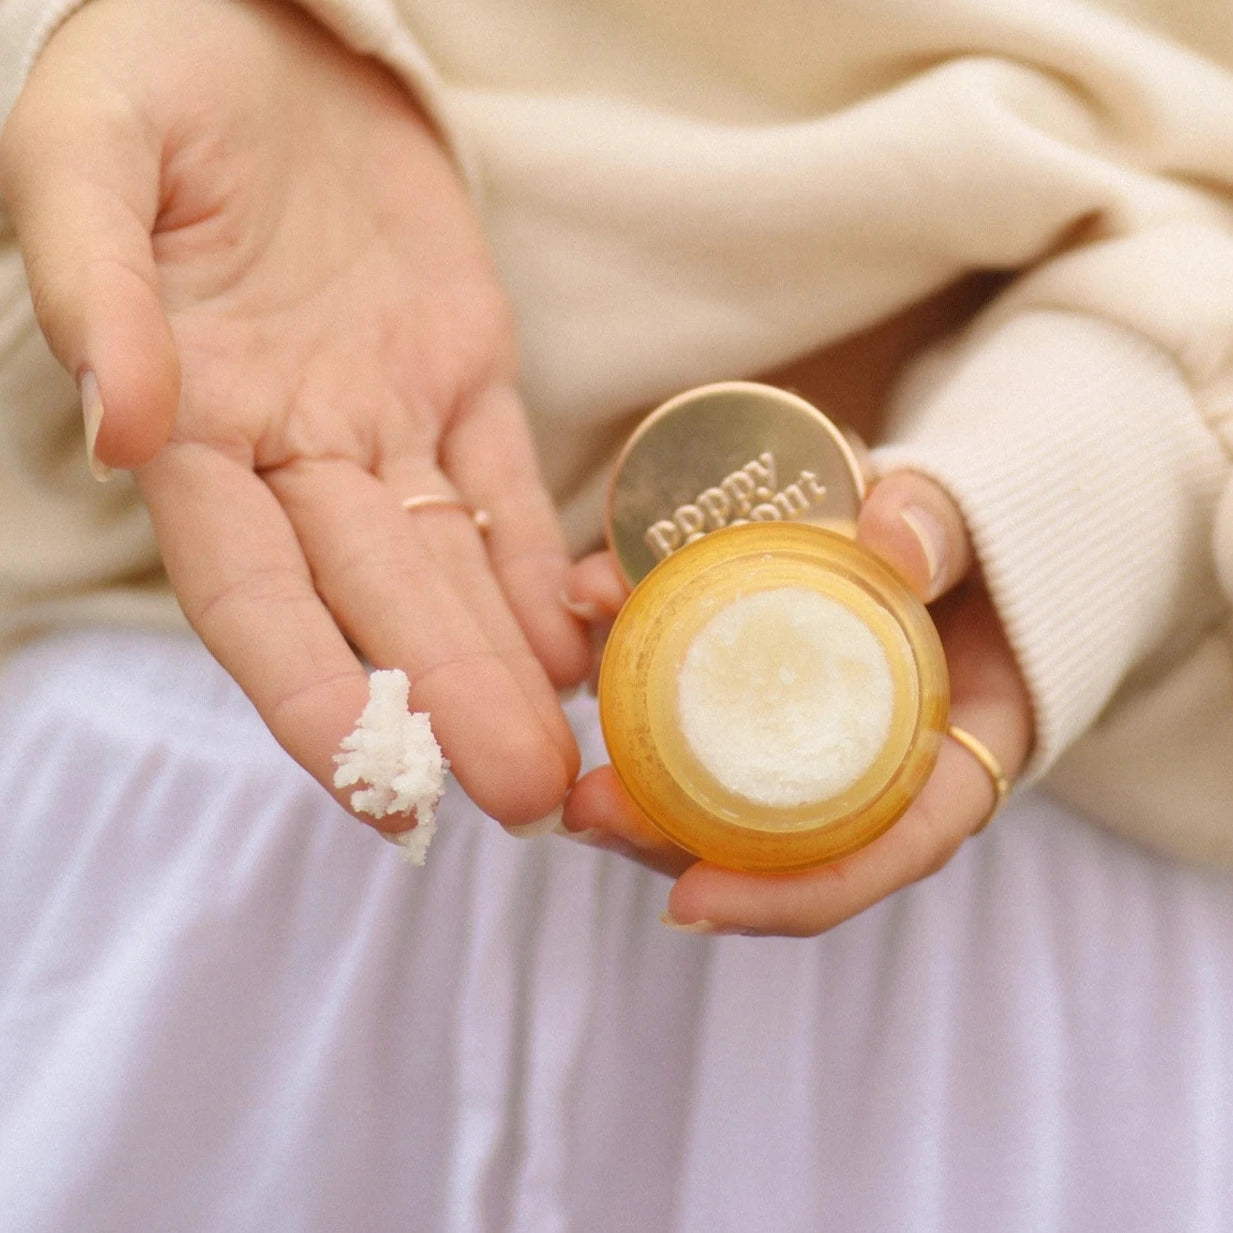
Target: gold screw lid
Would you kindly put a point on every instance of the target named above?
(722, 455)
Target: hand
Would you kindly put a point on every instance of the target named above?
(250, 248)
(988, 697)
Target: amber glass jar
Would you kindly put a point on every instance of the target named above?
(773, 696)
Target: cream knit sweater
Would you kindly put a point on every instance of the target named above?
(687, 190)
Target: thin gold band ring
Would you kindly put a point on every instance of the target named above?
(993, 768)
(480, 517)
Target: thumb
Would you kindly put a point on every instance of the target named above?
(80, 175)
(915, 526)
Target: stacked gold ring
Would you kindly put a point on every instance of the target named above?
(993, 768)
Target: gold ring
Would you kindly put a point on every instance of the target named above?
(993, 768)
(480, 517)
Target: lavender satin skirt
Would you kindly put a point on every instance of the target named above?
(224, 1006)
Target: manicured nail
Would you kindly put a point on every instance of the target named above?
(592, 837)
(92, 414)
(412, 843)
(708, 928)
(930, 534)
(583, 609)
(695, 926)
(541, 826)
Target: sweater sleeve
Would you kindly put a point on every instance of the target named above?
(1088, 480)
(1081, 435)
(369, 27)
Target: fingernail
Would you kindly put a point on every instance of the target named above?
(541, 826)
(708, 928)
(694, 926)
(413, 842)
(931, 536)
(592, 837)
(583, 609)
(92, 414)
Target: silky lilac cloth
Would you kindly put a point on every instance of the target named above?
(225, 1006)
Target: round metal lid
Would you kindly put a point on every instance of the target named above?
(721, 455)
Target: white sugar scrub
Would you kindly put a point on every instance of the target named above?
(786, 697)
(393, 753)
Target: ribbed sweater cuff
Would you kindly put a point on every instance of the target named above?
(1087, 479)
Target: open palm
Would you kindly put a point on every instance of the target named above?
(252, 246)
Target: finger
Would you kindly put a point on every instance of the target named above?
(450, 534)
(594, 593)
(594, 590)
(84, 205)
(242, 581)
(912, 523)
(710, 899)
(953, 804)
(598, 811)
(956, 802)
(989, 696)
(989, 701)
(390, 595)
(488, 455)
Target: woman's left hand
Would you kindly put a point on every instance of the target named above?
(916, 527)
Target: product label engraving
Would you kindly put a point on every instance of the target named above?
(748, 494)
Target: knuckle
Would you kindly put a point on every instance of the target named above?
(295, 709)
(259, 590)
